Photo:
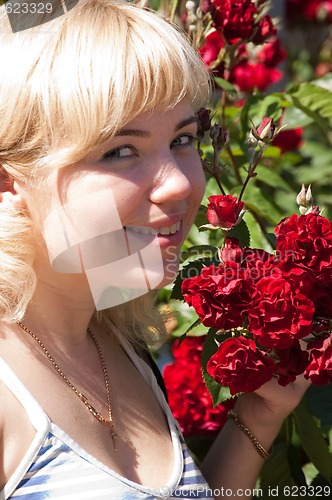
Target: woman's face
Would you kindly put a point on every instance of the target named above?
(125, 210)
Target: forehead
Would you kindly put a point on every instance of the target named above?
(179, 115)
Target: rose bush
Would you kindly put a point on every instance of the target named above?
(188, 396)
(258, 146)
(272, 297)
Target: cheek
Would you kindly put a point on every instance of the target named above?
(198, 183)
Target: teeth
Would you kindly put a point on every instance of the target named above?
(143, 230)
(160, 230)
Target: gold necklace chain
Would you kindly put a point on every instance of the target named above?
(82, 397)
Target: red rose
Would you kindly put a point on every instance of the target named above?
(259, 263)
(239, 365)
(224, 211)
(292, 362)
(322, 298)
(264, 30)
(249, 76)
(211, 48)
(189, 398)
(281, 314)
(302, 280)
(272, 53)
(221, 295)
(306, 241)
(240, 24)
(319, 369)
(235, 18)
(289, 140)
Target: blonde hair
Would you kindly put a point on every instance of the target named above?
(66, 86)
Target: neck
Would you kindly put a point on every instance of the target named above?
(60, 314)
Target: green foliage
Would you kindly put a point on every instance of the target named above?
(315, 102)
(312, 441)
(218, 393)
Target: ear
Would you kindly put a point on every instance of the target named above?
(10, 193)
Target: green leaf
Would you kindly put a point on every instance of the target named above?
(312, 441)
(192, 327)
(257, 237)
(271, 178)
(201, 217)
(198, 252)
(225, 85)
(260, 203)
(258, 106)
(315, 102)
(294, 117)
(241, 232)
(319, 399)
(276, 474)
(218, 393)
(185, 317)
(189, 271)
(325, 82)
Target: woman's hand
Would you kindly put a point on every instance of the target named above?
(271, 403)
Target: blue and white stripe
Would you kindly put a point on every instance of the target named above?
(55, 467)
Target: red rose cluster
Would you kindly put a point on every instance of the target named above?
(238, 22)
(269, 303)
(189, 398)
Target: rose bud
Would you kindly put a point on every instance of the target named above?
(204, 119)
(224, 211)
(231, 250)
(304, 199)
(266, 130)
(219, 136)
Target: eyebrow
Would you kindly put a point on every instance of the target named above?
(145, 133)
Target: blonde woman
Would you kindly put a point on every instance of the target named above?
(100, 183)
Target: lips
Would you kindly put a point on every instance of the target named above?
(164, 230)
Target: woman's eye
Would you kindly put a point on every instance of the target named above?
(184, 140)
(119, 153)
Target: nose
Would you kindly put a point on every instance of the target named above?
(170, 182)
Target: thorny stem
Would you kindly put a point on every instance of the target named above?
(223, 123)
(215, 175)
(251, 171)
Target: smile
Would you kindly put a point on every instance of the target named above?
(174, 228)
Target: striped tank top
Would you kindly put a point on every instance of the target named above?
(55, 467)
